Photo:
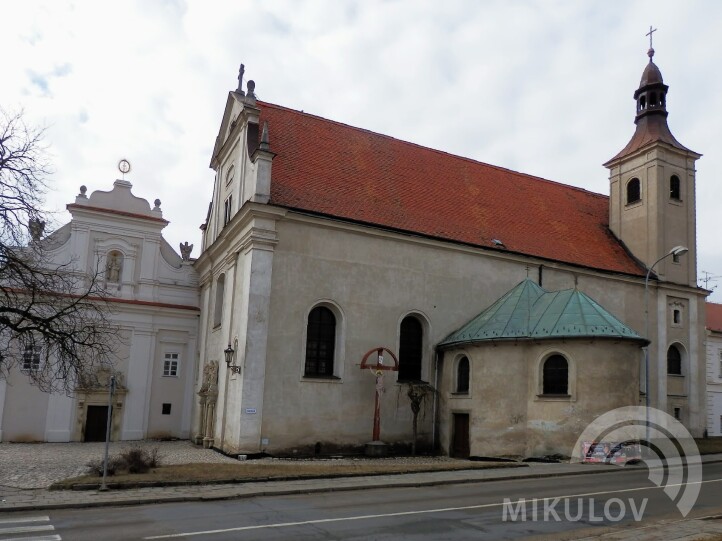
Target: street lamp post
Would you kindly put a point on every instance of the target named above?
(675, 252)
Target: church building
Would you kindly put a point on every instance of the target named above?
(519, 299)
(153, 298)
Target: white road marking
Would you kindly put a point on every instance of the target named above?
(55, 537)
(23, 519)
(420, 512)
(27, 529)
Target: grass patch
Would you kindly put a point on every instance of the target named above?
(709, 446)
(182, 474)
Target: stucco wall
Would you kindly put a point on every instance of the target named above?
(714, 383)
(373, 281)
(25, 411)
(509, 414)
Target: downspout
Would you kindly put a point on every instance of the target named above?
(434, 416)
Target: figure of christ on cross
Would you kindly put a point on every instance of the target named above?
(378, 371)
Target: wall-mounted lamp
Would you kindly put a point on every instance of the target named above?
(229, 352)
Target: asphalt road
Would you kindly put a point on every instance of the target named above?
(449, 512)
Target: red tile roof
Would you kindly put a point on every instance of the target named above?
(333, 169)
(714, 317)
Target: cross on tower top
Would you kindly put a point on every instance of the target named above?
(650, 53)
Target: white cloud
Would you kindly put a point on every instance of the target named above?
(544, 87)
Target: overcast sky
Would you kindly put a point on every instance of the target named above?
(542, 87)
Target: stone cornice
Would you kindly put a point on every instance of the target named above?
(252, 227)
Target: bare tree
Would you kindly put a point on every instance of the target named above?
(417, 393)
(54, 322)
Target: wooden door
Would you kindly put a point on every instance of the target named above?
(460, 441)
(95, 422)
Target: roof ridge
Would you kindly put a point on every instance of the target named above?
(443, 152)
(553, 295)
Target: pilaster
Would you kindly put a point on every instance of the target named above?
(139, 377)
(58, 422)
(3, 387)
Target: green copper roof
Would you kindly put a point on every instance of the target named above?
(528, 311)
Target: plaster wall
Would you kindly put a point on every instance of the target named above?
(373, 280)
(25, 410)
(714, 383)
(657, 223)
(509, 413)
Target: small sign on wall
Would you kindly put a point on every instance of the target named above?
(250, 411)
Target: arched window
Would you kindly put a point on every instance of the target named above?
(633, 191)
(555, 376)
(674, 361)
(674, 189)
(411, 347)
(462, 376)
(220, 294)
(320, 342)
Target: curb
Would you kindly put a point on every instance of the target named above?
(289, 491)
(310, 490)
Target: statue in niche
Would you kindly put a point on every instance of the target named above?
(113, 266)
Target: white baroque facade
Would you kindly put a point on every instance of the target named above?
(714, 369)
(155, 307)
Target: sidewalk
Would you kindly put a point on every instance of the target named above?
(15, 499)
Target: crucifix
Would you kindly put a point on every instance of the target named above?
(377, 370)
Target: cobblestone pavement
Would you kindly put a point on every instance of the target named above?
(38, 465)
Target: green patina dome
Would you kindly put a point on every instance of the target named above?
(530, 312)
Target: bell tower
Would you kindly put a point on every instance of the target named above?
(652, 186)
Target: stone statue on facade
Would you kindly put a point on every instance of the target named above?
(113, 267)
(208, 394)
(36, 228)
(185, 250)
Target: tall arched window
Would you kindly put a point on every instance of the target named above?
(633, 191)
(555, 376)
(320, 342)
(220, 295)
(674, 188)
(462, 376)
(411, 348)
(674, 361)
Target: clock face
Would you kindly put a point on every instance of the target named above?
(124, 166)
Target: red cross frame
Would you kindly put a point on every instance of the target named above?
(377, 368)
